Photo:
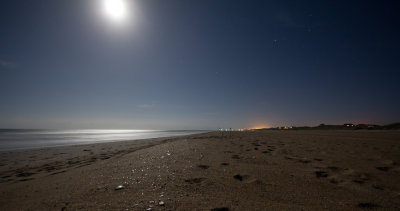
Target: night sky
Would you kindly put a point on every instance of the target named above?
(200, 64)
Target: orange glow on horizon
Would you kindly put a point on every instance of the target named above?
(259, 127)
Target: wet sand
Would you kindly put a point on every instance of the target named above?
(272, 170)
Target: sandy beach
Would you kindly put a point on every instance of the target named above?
(271, 170)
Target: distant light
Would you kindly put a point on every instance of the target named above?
(115, 9)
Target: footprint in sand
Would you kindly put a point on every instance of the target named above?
(203, 166)
(361, 178)
(238, 177)
(367, 205)
(220, 209)
(304, 160)
(24, 174)
(235, 156)
(333, 168)
(59, 172)
(289, 158)
(358, 181)
(342, 175)
(320, 174)
(245, 178)
(335, 180)
(195, 180)
(383, 168)
(27, 179)
(388, 162)
(378, 187)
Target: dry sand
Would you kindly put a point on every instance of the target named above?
(272, 170)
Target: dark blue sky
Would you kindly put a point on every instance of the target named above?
(198, 64)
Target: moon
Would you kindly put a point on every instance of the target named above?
(115, 10)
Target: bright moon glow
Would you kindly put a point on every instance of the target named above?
(115, 9)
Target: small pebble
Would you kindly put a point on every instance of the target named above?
(119, 187)
(161, 203)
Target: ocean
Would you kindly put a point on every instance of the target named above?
(11, 139)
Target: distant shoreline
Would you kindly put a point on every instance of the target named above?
(347, 126)
(21, 139)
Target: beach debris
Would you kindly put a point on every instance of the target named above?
(161, 203)
(119, 187)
